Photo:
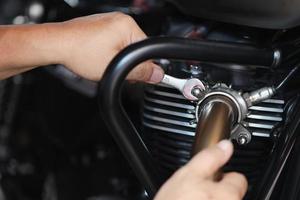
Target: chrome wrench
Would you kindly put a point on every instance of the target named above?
(190, 88)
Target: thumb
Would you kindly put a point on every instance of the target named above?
(147, 72)
(208, 161)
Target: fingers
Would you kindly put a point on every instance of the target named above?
(208, 161)
(148, 72)
(234, 183)
(137, 34)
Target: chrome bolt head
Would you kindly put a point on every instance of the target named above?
(242, 140)
(197, 92)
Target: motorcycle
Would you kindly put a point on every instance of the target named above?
(241, 58)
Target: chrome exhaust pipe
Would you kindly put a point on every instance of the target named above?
(215, 124)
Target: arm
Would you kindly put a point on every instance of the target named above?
(84, 45)
(23, 48)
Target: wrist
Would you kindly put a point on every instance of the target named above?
(46, 43)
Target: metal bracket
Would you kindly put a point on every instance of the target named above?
(241, 134)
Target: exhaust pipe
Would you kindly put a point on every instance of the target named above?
(215, 124)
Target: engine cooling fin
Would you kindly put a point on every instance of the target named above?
(169, 122)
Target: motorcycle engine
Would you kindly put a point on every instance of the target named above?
(169, 120)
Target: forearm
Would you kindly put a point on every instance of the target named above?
(28, 46)
(84, 45)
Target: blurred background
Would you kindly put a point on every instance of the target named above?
(53, 144)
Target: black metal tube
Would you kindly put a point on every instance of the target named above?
(280, 155)
(113, 113)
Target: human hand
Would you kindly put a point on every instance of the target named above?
(195, 180)
(89, 43)
(84, 45)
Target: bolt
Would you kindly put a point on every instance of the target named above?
(242, 139)
(197, 92)
(195, 70)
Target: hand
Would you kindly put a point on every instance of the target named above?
(89, 44)
(195, 180)
(84, 45)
